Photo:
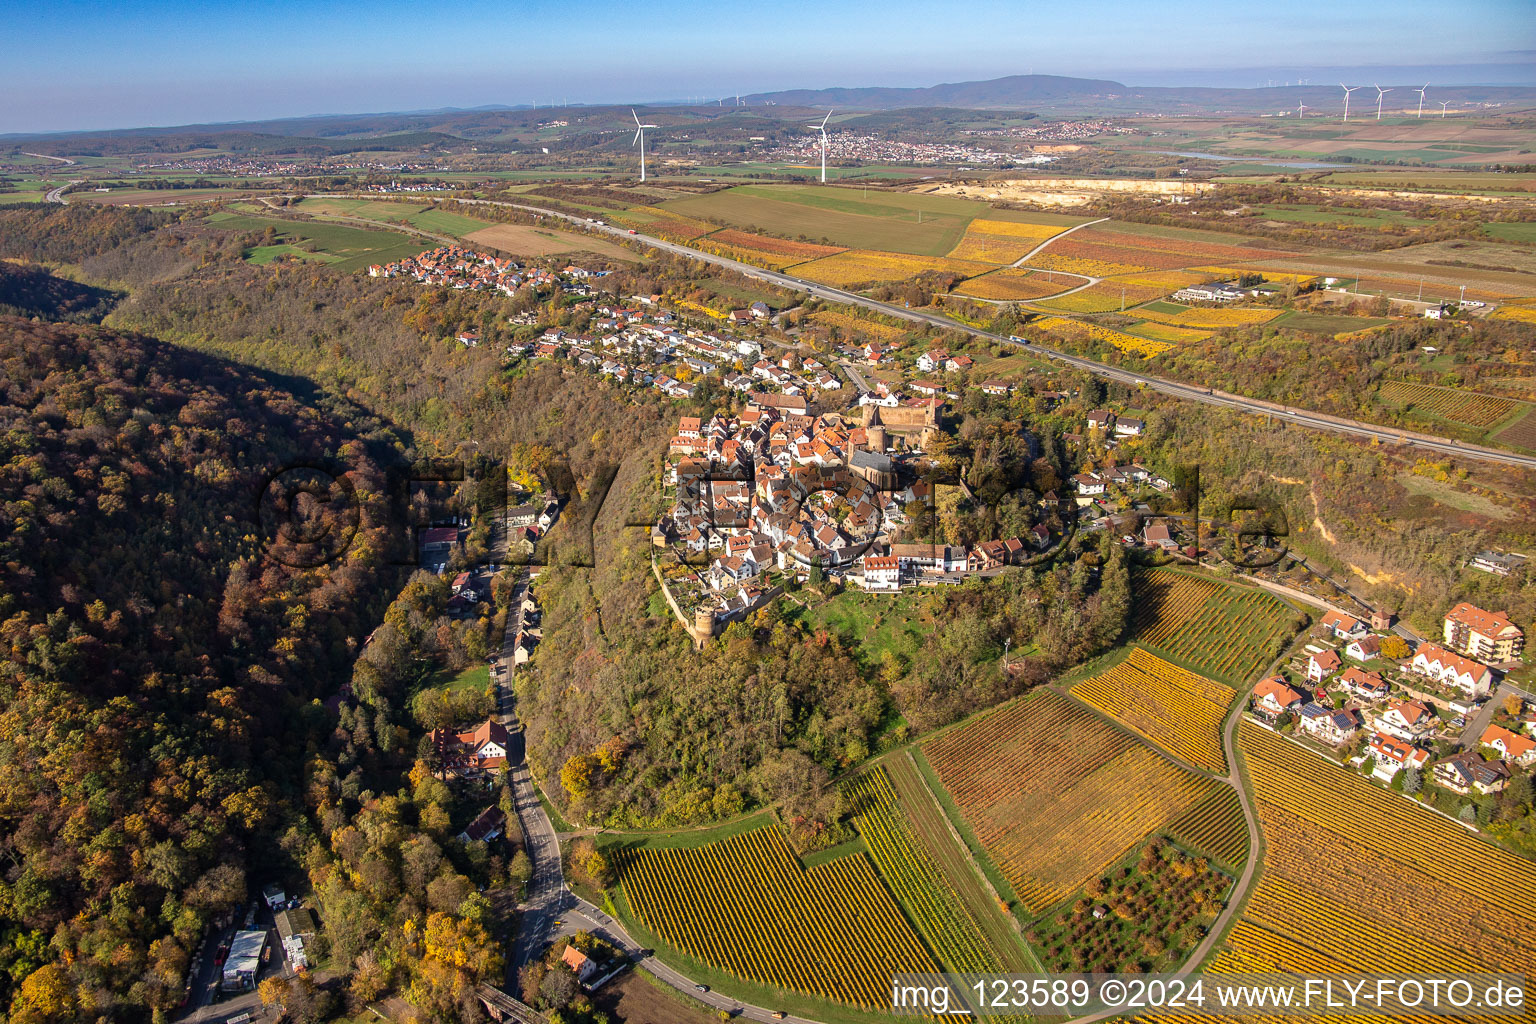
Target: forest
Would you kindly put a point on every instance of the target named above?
(156, 666)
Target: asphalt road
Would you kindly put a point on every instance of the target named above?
(1190, 392)
(1472, 735)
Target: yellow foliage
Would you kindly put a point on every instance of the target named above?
(857, 266)
(1125, 342)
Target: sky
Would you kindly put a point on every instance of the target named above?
(75, 65)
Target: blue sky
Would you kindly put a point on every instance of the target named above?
(71, 64)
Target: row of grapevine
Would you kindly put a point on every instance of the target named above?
(1174, 708)
(1216, 826)
(747, 906)
(1053, 794)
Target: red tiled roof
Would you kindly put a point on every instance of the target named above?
(1485, 622)
(1445, 658)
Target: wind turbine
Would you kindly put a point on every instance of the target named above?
(823, 129)
(1380, 92)
(1443, 105)
(1300, 109)
(1347, 91)
(640, 138)
(1421, 98)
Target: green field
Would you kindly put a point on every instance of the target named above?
(919, 225)
(1338, 215)
(349, 248)
(1451, 497)
(1322, 323)
(417, 215)
(264, 254)
(1521, 231)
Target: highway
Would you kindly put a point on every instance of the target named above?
(57, 195)
(1189, 392)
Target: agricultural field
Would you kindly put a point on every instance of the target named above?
(863, 266)
(1054, 795)
(949, 854)
(417, 215)
(1136, 250)
(1167, 332)
(1359, 879)
(1002, 241)
(931, 903)
(796, 252)
(1174, 708)
(1215, 826)
(1518, 314)
(747, 906)
(1490, 272)
(1228, 633)
(527, 240)
(853, 326)
(351, 248)
(1080, 331)
(1012, 284)
(897, 222)
(1125, 291)
(1469, 407)
(1323, 323)
(1521, 433)
(656, 221)
(1213, 319)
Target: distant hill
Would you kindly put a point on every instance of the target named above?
(490, 129)
(1058, 95)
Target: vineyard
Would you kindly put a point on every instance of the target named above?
(1174, 708)
(1214, 319)
(1521, 433)
(1216, 826)
(747, 906)
(931, 902)
(769, 244)
(1061, 258)
(1467, 407)
(1001, 241)
(1159, 251)
(1083, 332)
(1170, 334)
(1519, 314)
(1360, 879)
(1013, 285)
(1054, 795)
(664, 223)
(1223, 631)
(853, 326)
(1126, 291)
(1270, 276)
(862, 266)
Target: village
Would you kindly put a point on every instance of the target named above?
(1407, 713)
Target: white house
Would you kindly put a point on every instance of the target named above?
(882, 572)
(1516, 749)
(1087, 483)
(1322, 664)
(1448, 669)
(1407, 720)
(1343, 627)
